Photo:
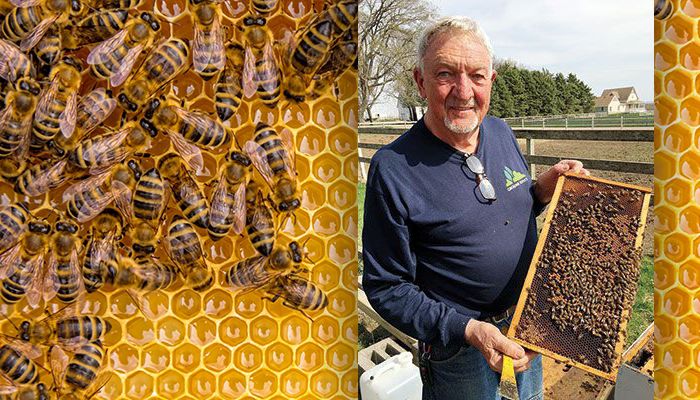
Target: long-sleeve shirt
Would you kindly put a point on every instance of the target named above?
(436, 253)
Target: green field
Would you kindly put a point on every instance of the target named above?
(642, 311)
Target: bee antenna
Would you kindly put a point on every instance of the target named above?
(9, 320)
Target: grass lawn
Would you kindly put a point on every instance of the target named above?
(642, 311)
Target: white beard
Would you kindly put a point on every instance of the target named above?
(461, 129)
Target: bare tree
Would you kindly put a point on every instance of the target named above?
(388, 30)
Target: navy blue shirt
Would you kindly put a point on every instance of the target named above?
(436, 253)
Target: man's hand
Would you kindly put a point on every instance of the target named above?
(493, 345)
(547, 181)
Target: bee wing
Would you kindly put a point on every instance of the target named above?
(122, 198)
(203, 52)
(11, 55)
(100, 381)
(98, 111)
(289, 158)
(8, 261)
(261, 217)
(7, 390)
(259, 158)
(102, 51)
(269, 64)
(250, 86)
(69, 310)
(125, 67)
(30, 41)
(218, 198)
(28, 349)
(59, 363)
(76, 274)
(238, 209)
(25, 3)
(51, 177)
(35, 290)
(5, 116)
(67, 118)
(191, 154)
(50, 282)
(110, 147)
(86, 184)
(48, 95)
(201, 121)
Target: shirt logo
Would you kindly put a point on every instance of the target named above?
(513, 178)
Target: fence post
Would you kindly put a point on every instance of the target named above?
(593, 121)
(566, 122)
(522, 122)
(622, 121)
(530, 151)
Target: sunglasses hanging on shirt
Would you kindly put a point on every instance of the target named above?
(477, 168)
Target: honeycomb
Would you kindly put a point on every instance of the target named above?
(222, 344)
(582, 281)
(676, 201)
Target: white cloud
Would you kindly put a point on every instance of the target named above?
(607, 44)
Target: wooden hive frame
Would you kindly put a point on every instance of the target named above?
(619, 347)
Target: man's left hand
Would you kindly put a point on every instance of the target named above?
(547, 181)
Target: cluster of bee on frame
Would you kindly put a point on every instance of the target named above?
(588, 270)
(54, 139)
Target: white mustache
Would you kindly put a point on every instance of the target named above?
(466, 105)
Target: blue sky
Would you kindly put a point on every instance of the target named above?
(606, 43)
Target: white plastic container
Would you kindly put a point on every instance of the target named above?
(394, 379)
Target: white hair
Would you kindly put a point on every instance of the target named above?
(464, 25)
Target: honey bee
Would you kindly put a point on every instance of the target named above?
(258, 271)
(228, 202)
(80, 374)
(313, 44)
(57, 108)
(298, 293)
(343, 15)
(100, 264)
(148, 204)
(146, 274)
(20, 264)
(93, 109)
(49, 48)
(185, 249)
(62, 278)
(272, 156)
(24, 392)
(96, 27)
(40, 178)
(13, 222)
(14, 63)
(229, 87)
(662, 9)
(197, 127)
(260, 69)
(341, 56)
(260, 225)
(99, 153)
(17, 367)
(88, 198)
(161, 66)
(113, 4)
(16, 118)
(115, 57)
(185, 191)
(31, 19)
(208, 55)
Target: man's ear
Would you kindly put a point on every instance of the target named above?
(418, 77)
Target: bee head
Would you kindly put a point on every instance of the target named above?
(66, 226)
(240, 158)
(151, 20)
(149, 127)
(296, 252)
(39, 227)
(289, 205)
(251, 21)
(24, 330)
(126, 103)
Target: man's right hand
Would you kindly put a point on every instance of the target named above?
(493, 345)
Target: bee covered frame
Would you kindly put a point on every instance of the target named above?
(556, 340)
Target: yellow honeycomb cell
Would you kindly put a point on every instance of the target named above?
(248, 305)
(156, 304)
(232, 384)
(326, 222)
(186, 357)
(324, 330)
(678, 192)
(170, 331)
(690, 110)
(689, 329)
(263, 330)
(139, 385)
(678, 137)
(342, 140)
(327, 275)
(350, 329)
(665, 111)
(202, 384)
(171, 383)
(679, 84)
(341, 303)
(309, 357)
(677, 247)
(689, 57)
(140, 331)
(665, 329)
(690, 383)
(690, 220)
(155, 358)
(677, 302)
(663, 384)
(313, 196)
(691, 8)
(279, 357)
(294, 330)
(341, 249)
(311, 141)
(233, 331)
(202, 331)
(348, 384)
(293, 384)
(324, 384)
(326, 168)
(676, 356)
(679, 29)
(125, 358)
(263, 384)
(689, 274)
(247, 357)
(216, 357)
(342, 195)
(218, 303)
(665, 220)
(664, 275)
(665, 56)
(341, 357)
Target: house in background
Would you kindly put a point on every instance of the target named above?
(619, 100)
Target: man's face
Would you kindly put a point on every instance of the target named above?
(456, 80)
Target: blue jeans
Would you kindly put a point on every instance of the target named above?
(462, 373)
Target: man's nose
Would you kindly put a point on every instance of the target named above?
(464, 87)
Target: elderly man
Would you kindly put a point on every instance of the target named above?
(446, 248)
